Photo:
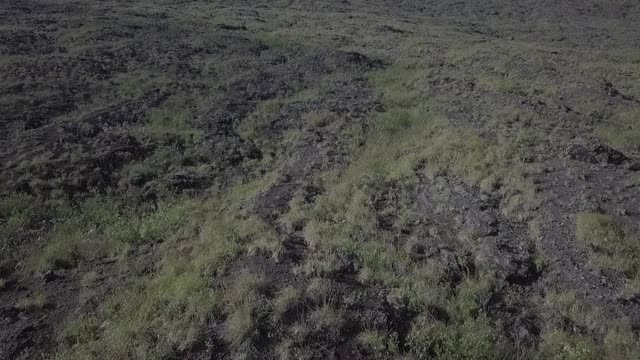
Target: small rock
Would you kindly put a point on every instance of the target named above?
(634, 166)
(598, 154)
(231, 27)
(49, 276)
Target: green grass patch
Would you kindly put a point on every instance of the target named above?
(97, 229)
(23, 216)
(80, 331)
(288, 300)
(610, 248)
(272, 40)
(32, 302)
(164, 314)
(10, 60)
(622, 131)
(405, 141)
(408, 135)
(474, 338)
(501, 82)
(381, 345)
(246, 308)
(563, 345)
(603, 236)
(136, 85)
(620, 67)
(583, 331)
(173, 117)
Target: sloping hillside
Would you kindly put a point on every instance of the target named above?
(364, 179)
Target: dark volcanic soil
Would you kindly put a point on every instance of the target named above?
(145, 103)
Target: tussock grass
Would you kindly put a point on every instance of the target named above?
(174, 116)
(174, 303)
(32, 302)
(272, 40)
(610, 248)
(246, 309)
(162, 315)
(614, 248)
(318, 290)
(401, 141)
(99, 230)
(474, 338)
(80, 331)
(512, 115)
(560, 344)
(21, 212)
(583, 331)
(621, 67)
(501, 66)
(410, 138)
(623, 131)
(23, 215)
(10, 60)
(288, 300)
(89, 278)
(381, 345)
(319, 120)
(137, 84)
(406, 137)
(326, 319)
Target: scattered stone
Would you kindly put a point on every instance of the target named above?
(634, 166)
(598, 154)
(231, 27)
(392, 29)
(49, 276)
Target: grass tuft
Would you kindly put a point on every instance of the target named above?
(622, 131)
(288, 301)
(32, 302)
(609, 246)
(379, 344)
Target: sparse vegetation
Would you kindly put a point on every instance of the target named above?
(309, 180)
(89, 278)
(609, 246)
(177, 300)
(136, 85)
(287, 300)
(173, 117)
(601, 337)
(272, 40)
(99, 231)
(32, 302)
(380, 345)
(623, 132)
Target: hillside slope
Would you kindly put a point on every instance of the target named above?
(320, 180)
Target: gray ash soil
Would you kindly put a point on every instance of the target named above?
(320, 180)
